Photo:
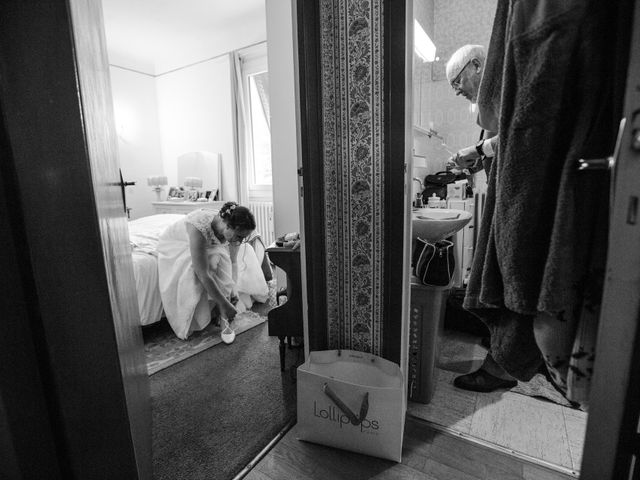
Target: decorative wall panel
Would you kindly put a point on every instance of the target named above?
(352, 110)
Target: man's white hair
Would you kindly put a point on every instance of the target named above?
(460, 58)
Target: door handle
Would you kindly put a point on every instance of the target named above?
(124, 198)
(596, 164)
(607, 163)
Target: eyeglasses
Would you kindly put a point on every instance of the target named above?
(238, 241)
(455, 83)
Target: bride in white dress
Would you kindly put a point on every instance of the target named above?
(197, 266)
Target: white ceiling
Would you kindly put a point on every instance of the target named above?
(157, 36)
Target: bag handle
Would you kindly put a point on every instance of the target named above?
(364, 408)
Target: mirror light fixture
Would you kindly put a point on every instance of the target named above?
(423, 45)
(157, 183)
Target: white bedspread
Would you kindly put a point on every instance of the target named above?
(143, 236)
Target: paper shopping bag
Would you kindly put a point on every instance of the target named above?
(352, 400)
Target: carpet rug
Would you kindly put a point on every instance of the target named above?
(215, 411)
(162, 348)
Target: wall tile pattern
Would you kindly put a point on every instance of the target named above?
(352, 88)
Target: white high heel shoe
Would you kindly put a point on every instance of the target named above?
(228, 335)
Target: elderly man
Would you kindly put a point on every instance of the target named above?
(464, 72)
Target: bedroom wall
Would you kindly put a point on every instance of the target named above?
(136, 115)
(195, 114)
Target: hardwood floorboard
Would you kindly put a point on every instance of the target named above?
(403, 472)
(446, 472)
(474, 460)
(330, 462)
(288, 459)
(428, 454)
(256, 474)
(533, 472)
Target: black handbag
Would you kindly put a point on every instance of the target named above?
(437, 184)
(433, 263)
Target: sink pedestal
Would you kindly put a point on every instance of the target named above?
(428, 304)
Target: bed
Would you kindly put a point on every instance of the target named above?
(143, 237)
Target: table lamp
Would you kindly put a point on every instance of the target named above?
(157, 183)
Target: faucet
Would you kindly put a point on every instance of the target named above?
(416, 179)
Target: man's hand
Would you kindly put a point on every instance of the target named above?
(465, 158)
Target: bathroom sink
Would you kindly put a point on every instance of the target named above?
(433, 224)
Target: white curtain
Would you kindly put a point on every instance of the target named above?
(262, 86)
(241, 126)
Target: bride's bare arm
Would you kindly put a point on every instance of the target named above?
(198, 249)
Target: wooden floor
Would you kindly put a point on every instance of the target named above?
(530, 426)
(427, 455)
(459, 435)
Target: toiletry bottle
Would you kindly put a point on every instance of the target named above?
(434, 201)
(418, 201)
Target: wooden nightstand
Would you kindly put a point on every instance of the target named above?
(184, 207)
(286, 320)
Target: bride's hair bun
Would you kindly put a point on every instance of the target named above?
(227, 210)
(237, 216)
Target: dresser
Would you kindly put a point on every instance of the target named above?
(184, 207)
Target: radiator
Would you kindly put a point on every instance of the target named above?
(263, 211)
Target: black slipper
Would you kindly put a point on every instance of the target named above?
(482, 381)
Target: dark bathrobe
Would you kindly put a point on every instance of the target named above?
(553, 80)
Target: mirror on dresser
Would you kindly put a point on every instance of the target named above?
(198, 185)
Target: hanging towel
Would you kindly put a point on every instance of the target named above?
(559, 101)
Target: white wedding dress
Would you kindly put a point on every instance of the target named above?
(186, 303)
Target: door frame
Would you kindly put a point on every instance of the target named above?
(396, 123)
(310, 174)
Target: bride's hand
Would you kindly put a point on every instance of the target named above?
(228, 311)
